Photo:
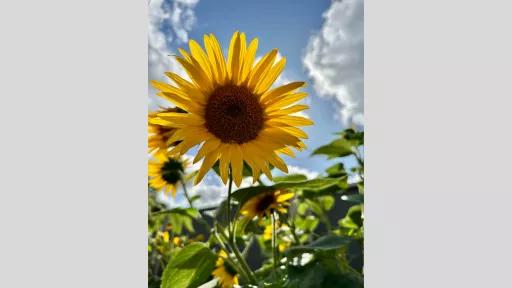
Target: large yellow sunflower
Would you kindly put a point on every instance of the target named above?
(159, 135)
(226, 273)
(165, 173)
(267, 202)
(232, 108)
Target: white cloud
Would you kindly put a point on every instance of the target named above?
(179, 15)
(334, 58)
(300, 170)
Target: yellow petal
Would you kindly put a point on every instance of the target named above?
(231, 54)
(236, 164)
(261, 67)
(249, 59)
(281, 90)
(207, 148)
(208, 162)
(200, 56)
(291, 120)
(270, 77)
(289, 110)
(283, 100)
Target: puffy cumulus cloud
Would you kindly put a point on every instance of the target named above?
(179, 16)
(334, 58)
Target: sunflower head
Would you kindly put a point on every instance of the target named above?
(232, 109)
(266, 203)
(158, 135)
(225, 272)
(165, 172)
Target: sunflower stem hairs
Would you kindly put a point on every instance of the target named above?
(232, 109)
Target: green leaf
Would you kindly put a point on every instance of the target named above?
(302, 208)
(307, 224)
(243, 195)
(337, 148)
(353, 219)
(328, 242)
(290, 178)
(195, 198)
(336, 170)
(326, 202)
(326, 269)
(190, 267)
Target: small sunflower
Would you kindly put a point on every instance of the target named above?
(284, 242)
(165, 173)
(159, 135)
(267, 202)
(232, 108)
(226, 273)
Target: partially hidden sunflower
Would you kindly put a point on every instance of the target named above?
(265, 203)
(232, 108)
(284, 242)
(158, 135)
(226, 273)
(166, 172)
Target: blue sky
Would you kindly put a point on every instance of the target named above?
(321, 39)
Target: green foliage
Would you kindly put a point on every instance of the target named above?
(312, 238)
(190, 267)
(328, 242)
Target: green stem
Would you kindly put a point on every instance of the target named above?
(243, 268)
(244, 265)
(274, 248)
(231, 232)
(294, 233)
(230, 187)
(189, 200)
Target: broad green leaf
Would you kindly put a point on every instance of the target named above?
(328, 242)
(326, 269)
(337, 148)
(243, 195)
(290, 178)
(191, 267)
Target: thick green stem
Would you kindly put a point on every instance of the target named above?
(231, 235)
(274, 244)
(230, 187)
(243, 263)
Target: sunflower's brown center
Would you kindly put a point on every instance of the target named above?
(265, 202)
(171, 171)
(233, 114)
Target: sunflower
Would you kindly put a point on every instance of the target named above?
(159, 135)
(226, 273)
(267, 202)
(166, 172)
(232, 108)
(284, 242)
